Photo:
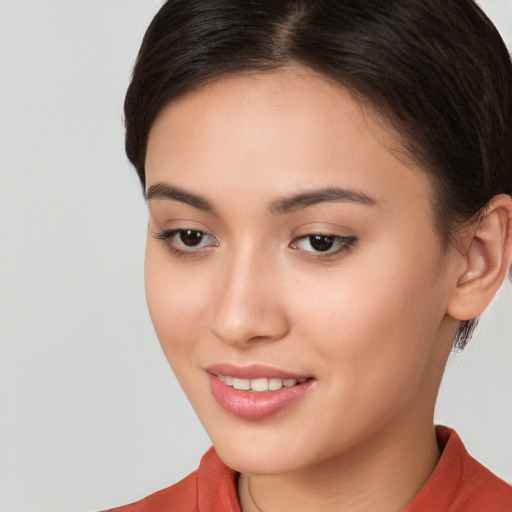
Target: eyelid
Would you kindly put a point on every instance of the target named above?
(343, 243)
(168, 237)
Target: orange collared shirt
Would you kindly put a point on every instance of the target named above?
(458, 484)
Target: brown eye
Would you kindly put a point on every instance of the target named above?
(190, 237)
(187, 241)
(322, 243)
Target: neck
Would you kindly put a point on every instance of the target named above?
(382, 476)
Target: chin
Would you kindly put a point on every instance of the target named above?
(260, 450)
(254, 461)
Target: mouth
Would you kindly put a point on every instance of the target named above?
(259, 385)
(256, 392)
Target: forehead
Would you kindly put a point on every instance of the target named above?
(293, 98)
(273, 131)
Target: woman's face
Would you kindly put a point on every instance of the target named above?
(289, 247)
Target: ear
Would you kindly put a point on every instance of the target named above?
(486, 260)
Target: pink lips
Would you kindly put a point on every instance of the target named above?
(251, 404)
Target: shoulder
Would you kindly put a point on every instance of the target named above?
(180, 497)
(483, 490)
(460, 483)
(211, 488)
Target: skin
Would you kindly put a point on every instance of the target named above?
(371, 323)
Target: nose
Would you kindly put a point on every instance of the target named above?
(249, 306)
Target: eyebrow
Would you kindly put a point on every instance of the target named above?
(324, 195)
(278, 207)
(165, 191)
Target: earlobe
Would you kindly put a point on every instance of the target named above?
(487, 260)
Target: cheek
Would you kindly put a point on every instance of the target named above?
(177, 302)
(374, 325)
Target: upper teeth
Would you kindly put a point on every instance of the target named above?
(261, 384)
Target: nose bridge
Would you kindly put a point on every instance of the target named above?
(248, 305)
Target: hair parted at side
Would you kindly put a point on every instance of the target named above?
(436, 70)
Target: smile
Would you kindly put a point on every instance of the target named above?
(259, 385)
(256, 392)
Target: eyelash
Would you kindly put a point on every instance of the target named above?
(168, 238)
(343, 243)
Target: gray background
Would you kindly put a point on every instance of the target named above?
(91, 416)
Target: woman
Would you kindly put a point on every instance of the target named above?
(328, 186)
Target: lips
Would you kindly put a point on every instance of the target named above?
(256, 392)
(253, 371)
